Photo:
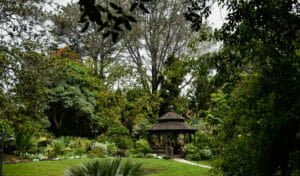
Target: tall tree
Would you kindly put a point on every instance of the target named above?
(140, 109)
(72, 93)
(201, 85)
(160, 33)
(173, 73)
(261, 126)
(92, 44)
(23, 76)
(111, 15)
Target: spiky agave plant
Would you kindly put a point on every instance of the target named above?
(106, 167)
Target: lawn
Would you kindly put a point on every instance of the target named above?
(154, 167)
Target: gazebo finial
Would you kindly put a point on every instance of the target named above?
(171, 108)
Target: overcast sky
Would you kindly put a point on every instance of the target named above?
(216, 19)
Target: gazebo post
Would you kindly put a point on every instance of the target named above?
(194, 138)
(167, 145)
(159, 136)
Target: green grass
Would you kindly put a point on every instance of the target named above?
(153, 167)
(172, 168)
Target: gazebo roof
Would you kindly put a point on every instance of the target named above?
(170, 116)
(172, 126)
(171, 121)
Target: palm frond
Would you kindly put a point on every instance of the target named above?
(106, 167)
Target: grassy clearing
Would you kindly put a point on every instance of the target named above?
(172, 168)
(153, 167)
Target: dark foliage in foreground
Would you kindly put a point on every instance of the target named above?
(106, 167)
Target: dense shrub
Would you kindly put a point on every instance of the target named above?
(120, 136)
(43, 141)
(99, 145)
(72, 146)
(122, 153)
(138, 155)
(124, 142)
(296, 173)
(65, 146)
(205, 154)
(112, 149)
(97, 152)
(150, 155)
(192, 152)
(142, 146)
(83, 143)
(79, 151)
(55, 148)
(202, 140)
(192, 157)
(102, 138)
(58, 146)
(24, 141)
(166, 157)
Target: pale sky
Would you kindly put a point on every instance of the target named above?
(216, 19)
(217, 16)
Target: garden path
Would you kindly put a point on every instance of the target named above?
(191, 163)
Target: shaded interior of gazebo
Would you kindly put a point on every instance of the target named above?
(170, 134)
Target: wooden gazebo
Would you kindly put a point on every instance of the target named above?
(170, 134)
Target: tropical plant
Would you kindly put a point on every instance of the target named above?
(24, 142)
(120, 136)
(58, 146)
(97, 153)
(191, 152)
(112, 148)
(142, 146)
(106, 167)
(98, 150)
(78, 142)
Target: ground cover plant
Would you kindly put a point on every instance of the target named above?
(152, 167)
